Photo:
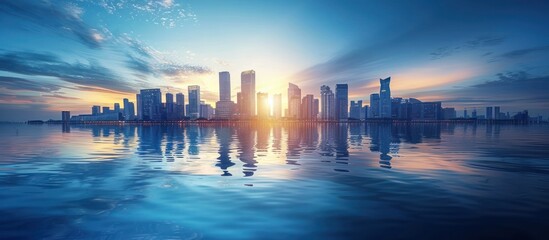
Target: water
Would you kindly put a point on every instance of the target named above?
(252, 181)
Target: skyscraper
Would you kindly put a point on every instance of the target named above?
(327, 102)
(117, 107)
(385, 98)
(294, 101)
(307, 107)
(277, 106)
(355, 109)
(247, 86)
(129, 110)
(151, 104)
(180, 105)
(139, 106)
(170, 107)
(342, 102)
(497, 114)
(194, 102)
(263, 107)
(65, 116)
(489, 113)
(224, 107)
(374, 105)
(96, 110)
(316, 108)
(224, 86)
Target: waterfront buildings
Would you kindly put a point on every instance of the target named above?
(327, 103)
(355, 110)
(224, 108)
(65, 116)
(385, 98)
(374, 105)
(180, 105)
(307, 108)
(294, 101)
(489, 113)
(248, 94)
(151, 104)
(194, 102)
(277, 106)
(342, 102)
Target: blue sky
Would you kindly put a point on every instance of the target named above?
(69, 55)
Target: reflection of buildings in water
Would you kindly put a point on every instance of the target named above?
(224, 137)
(277, 138)
(327, 140)
(150, 139)
(193, 134)
(263, 134)
(342, 145)
(294, 140)
(246, 135)
(66, 128)
(356, 130)
(381, 136)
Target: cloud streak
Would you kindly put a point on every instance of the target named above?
(41, 64)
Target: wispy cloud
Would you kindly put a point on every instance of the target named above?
(15, 83)
(42, 64)
(524, 52)
(473, 44)
(62, 18)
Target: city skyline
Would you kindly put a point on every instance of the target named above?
(66, 55)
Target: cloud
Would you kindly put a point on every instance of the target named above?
(473, 44)
(174, 69)
(139, 65)
(62, 18)
(15, 83)
(58, 96)
(42, 64)
(524, 52)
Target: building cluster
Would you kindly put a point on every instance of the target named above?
(332, 105)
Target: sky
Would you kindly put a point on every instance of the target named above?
(69, 55)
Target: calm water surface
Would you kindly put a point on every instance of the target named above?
(248, 181)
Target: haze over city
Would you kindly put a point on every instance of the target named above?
(65, 55)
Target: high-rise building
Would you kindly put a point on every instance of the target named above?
(385, 98)
(65, 116)
(489, 113)
(180, 105)
(139, 106)
(355, 109)
(316, 108)
(465, 115)
(224, 86)
(263, 107)
(374, 105)
(497, 114)
(247, 86)
(307, 107)
(117, 107)
(194, 102)
(206, 111)
(474, 113)
(150, 105)
(431, 110)
(106, 110)
(96, 110)
(129, 109)
(294, 101)
(342, 102)
(239, 103)
(277, 106)
(327, 102)
(364, 112)
(170, 107)
(224, 108)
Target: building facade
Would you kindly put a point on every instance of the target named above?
(342, 102)
(385, 98)
(294, 101)
(247, 107)
(194, 102)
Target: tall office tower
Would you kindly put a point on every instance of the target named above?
(194, 102)
(465, 113)
(374, 105)
(489, 113)
(96, 110)
(474, 113)
(151, 104)
(327, 102)
(263, 107)
(117, 107)
(139, 106)
(448, 113)
(239, 103)
(385, 98)
(355, 109)
(170, 107)
(179, 106)
(294, 101)
(497, 113)
(129, 110)
(364, 112)
(224, 108)
(277, 106)
(316, 108)
(342, 102)
(106, 110)
(307, 107)
(247, 86)
(206, 111)
(65, 116)
(225, 86)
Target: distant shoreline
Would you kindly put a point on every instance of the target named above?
(286, 121)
